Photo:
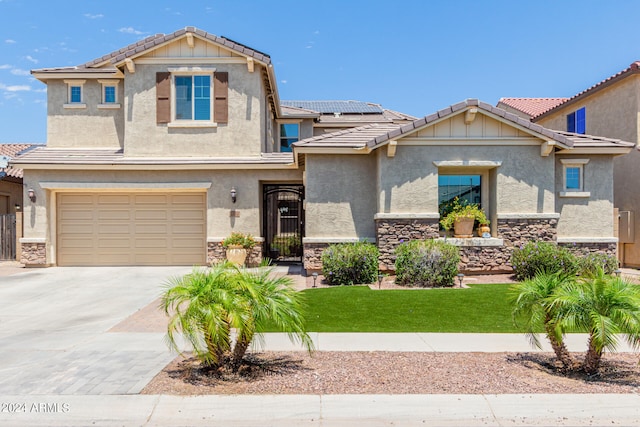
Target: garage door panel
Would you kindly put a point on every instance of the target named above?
(151, 215)
(131, 229)
(152, 228)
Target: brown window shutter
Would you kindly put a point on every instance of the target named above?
(221, 97)
(163, 97)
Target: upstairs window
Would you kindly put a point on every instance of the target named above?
(109, 94)
(75, 94)
(577, 121)
(193, 97)
(289, 133)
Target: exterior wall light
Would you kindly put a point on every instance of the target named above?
(17, 206)
(234, 194)
(32, 195)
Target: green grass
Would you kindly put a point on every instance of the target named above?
(480, 308)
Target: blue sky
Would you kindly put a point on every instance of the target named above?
(414, 56)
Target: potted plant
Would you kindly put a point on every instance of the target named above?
(236, 246)
(462, 218)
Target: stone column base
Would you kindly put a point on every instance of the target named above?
(34, 254)
(217, 253)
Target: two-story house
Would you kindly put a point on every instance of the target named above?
(158, 151)
(612, 108)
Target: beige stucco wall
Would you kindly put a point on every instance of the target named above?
(219, 222)
(614, 112)
(592, 216)
(243, 135)
(340, 196)
(523, 183)
(90, 127)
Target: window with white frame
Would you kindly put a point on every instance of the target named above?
(109, 94)
(193, 97)
(75, 94)
(573, 178)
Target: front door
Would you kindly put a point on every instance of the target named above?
(283, 222)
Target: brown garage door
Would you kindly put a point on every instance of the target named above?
(131, 229)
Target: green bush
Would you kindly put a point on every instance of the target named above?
(588, 264)
(350, 263)
(426, 263)
(545, 257)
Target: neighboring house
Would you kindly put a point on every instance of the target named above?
(612, 108)
(11, 195)
(529, 107)
(158, 151)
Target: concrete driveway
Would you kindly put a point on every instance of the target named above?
(55, 327)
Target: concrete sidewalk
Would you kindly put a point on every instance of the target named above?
(323, 410)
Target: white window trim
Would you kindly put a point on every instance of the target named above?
(108, 105)
(191, 71)
(70, 84)
(573, 192)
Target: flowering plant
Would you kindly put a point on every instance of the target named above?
(239, 239)
(463, 210)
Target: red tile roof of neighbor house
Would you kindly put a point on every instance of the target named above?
(11, 151)
(634, 68)
(532, 106)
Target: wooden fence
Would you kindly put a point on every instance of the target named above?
(7, 237)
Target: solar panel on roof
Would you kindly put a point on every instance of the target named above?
(330, 107)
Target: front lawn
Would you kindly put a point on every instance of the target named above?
(480, 308)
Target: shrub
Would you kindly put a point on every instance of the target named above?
(545, 257)
(589, 264)
(350, 263)
(426, 263)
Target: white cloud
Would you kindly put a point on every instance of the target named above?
(31, 58)
(283, 82)
(10, 41)
(15, 88)
(130, 30)
(5, 67)
(96, 16)
(20, 72)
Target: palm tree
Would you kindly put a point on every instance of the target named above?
(207, 305)
(604, 306)
(533, 310)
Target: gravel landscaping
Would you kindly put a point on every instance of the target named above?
(397, 373)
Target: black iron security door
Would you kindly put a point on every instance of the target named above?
(283, 222)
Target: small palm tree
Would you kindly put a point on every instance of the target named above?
(604, 306)
(534, 311)
(205, 306)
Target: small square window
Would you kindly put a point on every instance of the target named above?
(573, 178)
(109, 94)
(75, 94)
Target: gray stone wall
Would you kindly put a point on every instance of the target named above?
(484, 260)
(517, 231)
(391, 232)
(217, 253)
(34, 254)
(585, 248)
(313, 256)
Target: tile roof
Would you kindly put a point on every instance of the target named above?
(331, 107)
(136, 49)
(634, 68)
(532, 106)
(11, 151)
(372, 135)
(43, 155)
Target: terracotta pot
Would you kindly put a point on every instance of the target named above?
(463, 227)
(236, 254)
